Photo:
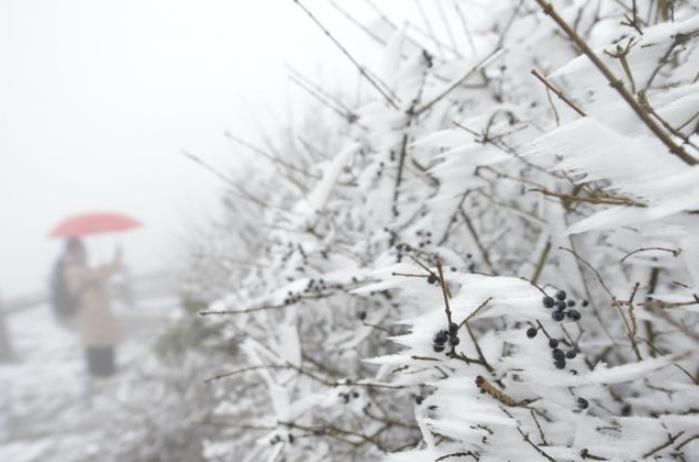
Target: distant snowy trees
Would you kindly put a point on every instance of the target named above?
(493, 258)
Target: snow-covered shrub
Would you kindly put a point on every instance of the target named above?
(495, 258)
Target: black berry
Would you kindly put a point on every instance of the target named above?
(585, 303)
(561, 295)
(558, 355)
(558, 315)
(441, 337)
(531, 332)
(361, 315)
(570, 354)
(561, 305)
(553, 342)
(438, 347)
(432, 278)
(574, 315)
(560, 364)
(571, 303)
(454, 340)
(548, 302)
(453, 328)
(419, 399)
(583, 403)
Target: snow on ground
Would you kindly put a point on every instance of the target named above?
(45, 413)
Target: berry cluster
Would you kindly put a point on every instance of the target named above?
(393, 236)
(562, 307)
(379, 171)
(401, 249)
(346, 396)
(472, 264)
(426, 238)
(291, 251)
(441, 338)
(314, 286)
(559, 356)
(278, 439)
(583, 403)
(292, 298)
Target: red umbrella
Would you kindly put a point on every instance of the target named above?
(94, 223)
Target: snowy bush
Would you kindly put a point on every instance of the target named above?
(495, 256)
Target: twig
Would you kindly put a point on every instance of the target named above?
(239, 191)
(428, 26)
(541, 432)
(679, 39)
(445, 293)
(615, 302)
(401, 162)
(558, 93)
(248, 310)
(486, 387)
(591, 199)
(686, 442)
(671, 439)
(618, 85)
(266, 155)
(467, 31)
(585, 454)
(542, 261)
(347, 54)
(358, 24)
(447, 26)
(645, 102)
(484, 62)
(632, 316)
(474, 235)
(300, 370)
(674, 252)
(324, 100)
(528, 440)
(621, 54)
(456, 454)
(475, 312)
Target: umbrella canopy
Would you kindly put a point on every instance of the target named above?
(94, 223)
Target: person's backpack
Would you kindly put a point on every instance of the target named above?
(63, 301)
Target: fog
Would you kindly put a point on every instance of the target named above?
(99, 101)
(473, 235)
(99, 98)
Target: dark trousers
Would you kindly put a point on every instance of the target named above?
(100, 361)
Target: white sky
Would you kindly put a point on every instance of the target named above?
(97, 97)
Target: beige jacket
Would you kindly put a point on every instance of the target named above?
(94, 320)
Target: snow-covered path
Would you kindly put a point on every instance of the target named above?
(44, 411)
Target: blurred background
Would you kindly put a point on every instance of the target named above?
(133, 107)
(99, 98)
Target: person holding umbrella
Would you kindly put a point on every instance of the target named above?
(98, 327)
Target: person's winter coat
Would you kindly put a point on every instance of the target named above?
(94, 320)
